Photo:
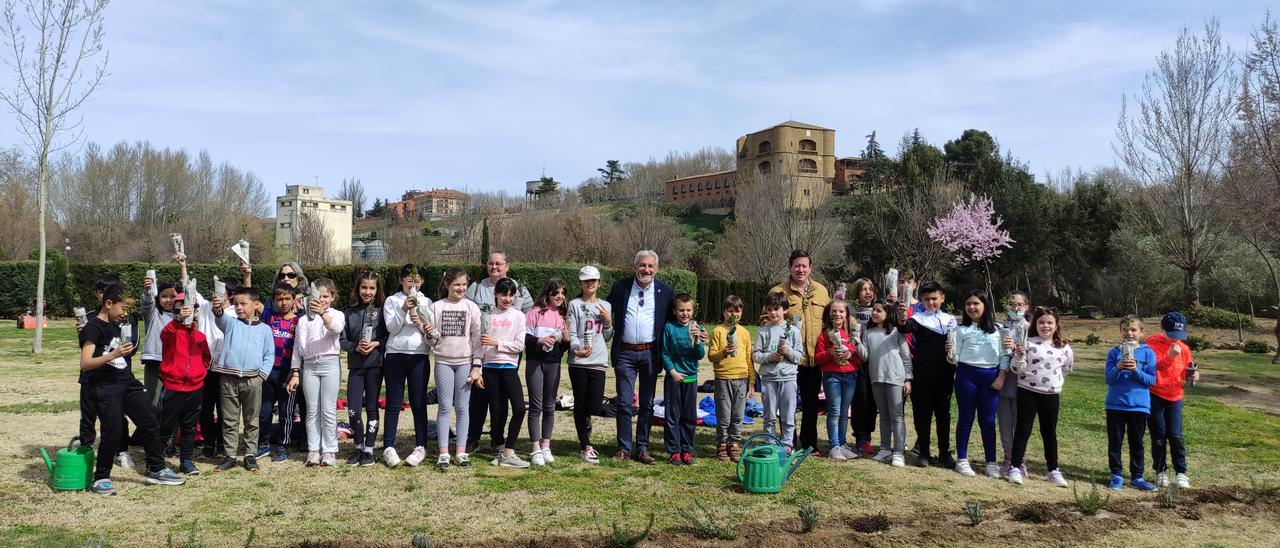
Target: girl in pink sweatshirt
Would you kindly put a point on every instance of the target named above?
(502, 341)
(457, 350)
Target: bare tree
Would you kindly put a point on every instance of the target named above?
(901, 226)
(353, 190)
(768, 226)
(311, 240)
(406, 242)
(1177, 145)
(50, 85)
(17, 199)
(645, 228)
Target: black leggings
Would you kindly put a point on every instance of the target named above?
(864, 407)
(931, 402)
(588, 400)
(115, 401)
(505, 391)
(1046, 406)
(181, 410)
(809, 385)
(399, 368)
(363, 387)
(211, 428)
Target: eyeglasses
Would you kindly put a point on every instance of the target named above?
(642, 292)
(289, 275)
(496, 264)
(1046, 309)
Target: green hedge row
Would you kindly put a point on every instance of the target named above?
(711, 295)
(76, 281)
(1205, 316)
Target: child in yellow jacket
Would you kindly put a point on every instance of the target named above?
(730, 354)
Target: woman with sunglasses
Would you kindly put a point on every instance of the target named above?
(289, 273)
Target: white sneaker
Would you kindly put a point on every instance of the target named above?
(993, 470)
(898, 460)
(329, 459)
(882, 455)
(837, 453)
(537, 459)
(1162, 480)
(1015, 476)
(1055, 477)
(589, 456)
(963, 468)
(418, 455)
(123, 460)
(1183, 481)
(390, 457)
(442, 461)
(512, 461)
(546, 455)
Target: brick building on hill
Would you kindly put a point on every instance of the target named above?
(430, 204)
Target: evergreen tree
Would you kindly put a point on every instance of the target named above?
(484, 242)
(873, 150)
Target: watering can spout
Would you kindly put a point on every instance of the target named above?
(48, 462)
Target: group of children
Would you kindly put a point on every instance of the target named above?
(257, 365)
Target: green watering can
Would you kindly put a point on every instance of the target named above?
(73, 468)
(765, 466)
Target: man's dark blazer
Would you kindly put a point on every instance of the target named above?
(619, 294)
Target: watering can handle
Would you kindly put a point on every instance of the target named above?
(73, 442)
(48, 462)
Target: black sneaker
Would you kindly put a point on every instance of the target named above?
(263, 450)
(366, 459)
(923, 461)
(189, 468)
(207, 453)
(280, 454)
(226, 464)
(163, 476)
(251, 463)
(354, 458)
(945, 460)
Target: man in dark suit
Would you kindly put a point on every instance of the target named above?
(641, 305)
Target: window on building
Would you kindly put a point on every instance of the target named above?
(718, 182)
(766, 168)
(765, 146)
(806, 192)
(306, 191)
(807, 145)
(699, 186)
(807, 165)
(284, 225)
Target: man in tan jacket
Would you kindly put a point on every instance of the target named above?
(807, 299)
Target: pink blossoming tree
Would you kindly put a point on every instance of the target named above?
(972, 233)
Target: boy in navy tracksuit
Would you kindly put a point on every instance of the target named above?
(1129, 379)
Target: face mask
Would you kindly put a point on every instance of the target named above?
(1016, 314)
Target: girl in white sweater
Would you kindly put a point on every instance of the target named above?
(1041, 369)
(889, 370)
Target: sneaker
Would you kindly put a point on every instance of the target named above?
(442, 461)
(462, 459)
(1015, 476)
(837, 453)
(537, 459)
(263, 450)
(993, 470)
(313, 458)
(251, 463)
(418, 455)
(163, 476)
(329, 459)
(188, 467)
(923, 461)
(898, 460)
(103, 487)
(963, 468)
(687, 457)
(226, 464)
(280, 454)
(1142, 484)
(366, 459)
(1055, 477)
(390, 457)
(589, 456)
(1183, 481)
(123, 460)
(512, 461)
(865, 448)
(472, 446)
(945, 460)
(1117, 482)
(354, 458)
(1162, 479)
(546, 455)
(882, 455)
(207, 453)
(674, 459)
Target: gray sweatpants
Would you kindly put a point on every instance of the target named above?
(320, 380)
(731, 401)
(241, 398)
(893, 424)
(1007, 418)
(779, 399)
(453, 393)
(542, 380)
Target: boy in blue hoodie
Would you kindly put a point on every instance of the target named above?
(248, 352)
(1131, 370)
(683, 345)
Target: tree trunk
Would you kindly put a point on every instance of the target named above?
(37, 343)
(1190, 289)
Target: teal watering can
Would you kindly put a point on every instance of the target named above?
(765, 465)
(72, 468)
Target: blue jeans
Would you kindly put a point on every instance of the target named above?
(1166, 432)
(840, 389)
(635, 367)
(974, 395)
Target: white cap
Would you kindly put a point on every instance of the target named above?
(588, 273)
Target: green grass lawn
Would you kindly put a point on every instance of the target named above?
(1233, 442)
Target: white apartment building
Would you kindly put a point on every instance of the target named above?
(304, 201)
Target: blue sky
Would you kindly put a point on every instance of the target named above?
(482, 95)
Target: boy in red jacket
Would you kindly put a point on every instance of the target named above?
(1174, 364)
(185, 361)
